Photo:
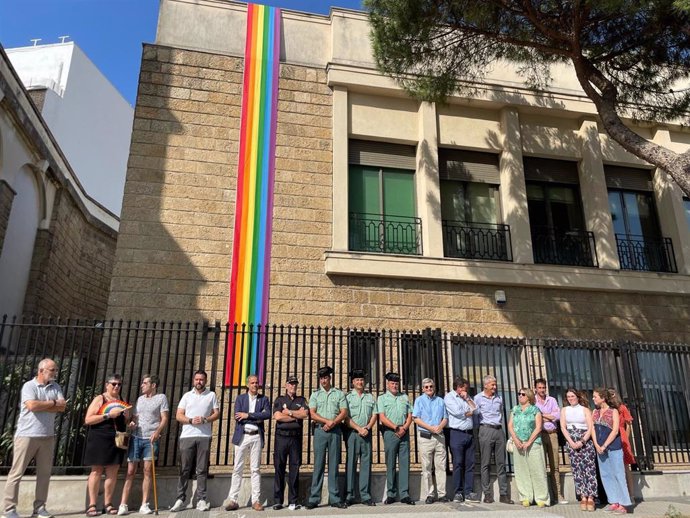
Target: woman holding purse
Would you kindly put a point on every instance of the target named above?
(528, 454)
(106, 415)
(576, 425)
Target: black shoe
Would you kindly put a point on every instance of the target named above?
(350, 502)
(368, 502)
(488, 499)
(429, 500)
(277, 507)
(443, 499)
(389, 500)
(310, 505)
(505, 499)
(407, 500)
(473, 497)
(339, 505)
(459, 498)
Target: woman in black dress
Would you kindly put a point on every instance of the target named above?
(101, 453)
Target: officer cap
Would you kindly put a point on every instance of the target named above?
(393, 376)
(292, 379)
(325, 371)
(356, 373)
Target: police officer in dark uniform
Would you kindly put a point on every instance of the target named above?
(289, 411)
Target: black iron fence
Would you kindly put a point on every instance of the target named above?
(564, 247)
(653, 379)
(385, 233)
(471, 240)
(645, 254)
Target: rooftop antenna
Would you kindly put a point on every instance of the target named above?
(63, 38)
(36, 40)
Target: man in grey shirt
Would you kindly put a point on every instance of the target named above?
(35, 438)
(149, 420)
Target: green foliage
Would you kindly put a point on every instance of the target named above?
(633, 52)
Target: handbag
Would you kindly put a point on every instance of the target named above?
(510, 445)
(122, 440)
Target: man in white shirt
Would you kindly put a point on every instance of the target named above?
(197, 409)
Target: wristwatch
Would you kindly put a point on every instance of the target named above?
(290, 413)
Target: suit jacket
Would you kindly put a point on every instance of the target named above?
(260, 414)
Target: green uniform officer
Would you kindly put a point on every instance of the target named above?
(395, 414)
(358, 438)
(328, 408)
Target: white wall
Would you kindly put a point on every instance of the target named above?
(89, 118)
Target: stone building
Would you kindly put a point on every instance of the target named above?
(507, 213)
(57, 243)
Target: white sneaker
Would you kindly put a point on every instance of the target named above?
(294, 507)
(123, 510)
(177, 506)
(145, 509)
(42, 512)
(11, 514)
(203, 505)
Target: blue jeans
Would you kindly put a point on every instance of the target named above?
(613, 477)
(140, 449)
(462, 449)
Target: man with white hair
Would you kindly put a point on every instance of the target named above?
(492, 439)
(41, 399)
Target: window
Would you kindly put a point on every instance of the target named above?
(363, 353)
(382, 199)
(421, 358)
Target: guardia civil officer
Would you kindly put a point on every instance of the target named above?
(360, 423)
(328, 408)
(289, 412)
(395, 417)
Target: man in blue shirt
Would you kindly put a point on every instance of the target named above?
(430, 416)
(492, 438)
(461, 409)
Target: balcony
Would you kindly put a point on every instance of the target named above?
(644, 254)
(564, 247)
(470, 240)
(385, 234)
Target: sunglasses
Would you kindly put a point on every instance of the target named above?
(115, 383)
(521, 394)
(428, 386)
(292, 382)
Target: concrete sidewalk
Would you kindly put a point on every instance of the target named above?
(652, 508)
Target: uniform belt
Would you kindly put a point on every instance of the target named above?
(251, 432)
(288, 433)
(494, 426)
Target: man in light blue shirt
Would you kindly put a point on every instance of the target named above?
(430, 416)
(492, 438)
(461, 409)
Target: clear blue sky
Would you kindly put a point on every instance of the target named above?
(110, 32)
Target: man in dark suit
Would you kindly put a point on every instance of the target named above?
(251, 410)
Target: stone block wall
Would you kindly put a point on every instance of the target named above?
(6, 198)
(72, 265)
(174, 251)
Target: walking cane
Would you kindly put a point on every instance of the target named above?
(153, 475)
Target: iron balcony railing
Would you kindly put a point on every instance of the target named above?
(385, 234)
(472, 240)
(564, 247)
(645, 254)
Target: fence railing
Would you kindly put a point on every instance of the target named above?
(385, 233)
(564, 247)
(644, 254)
(471, 240)
(653, 379)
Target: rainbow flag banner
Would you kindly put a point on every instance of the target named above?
(251, 253)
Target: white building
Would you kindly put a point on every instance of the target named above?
(89, 118)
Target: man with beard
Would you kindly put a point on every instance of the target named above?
(197, 409)
(289, 412)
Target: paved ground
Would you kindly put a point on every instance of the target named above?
(653, 508)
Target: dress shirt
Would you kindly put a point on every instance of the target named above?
(549, 406)
(395, 408)
(252, 408)
(489, 409)
(431, 410)
(457, 408)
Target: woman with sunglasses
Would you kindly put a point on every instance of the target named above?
(101, 452)
(528, 455)
(576, 425)
(607, 442)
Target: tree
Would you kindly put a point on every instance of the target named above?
(630, 56)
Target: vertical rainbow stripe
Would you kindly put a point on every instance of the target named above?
(251, 254)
